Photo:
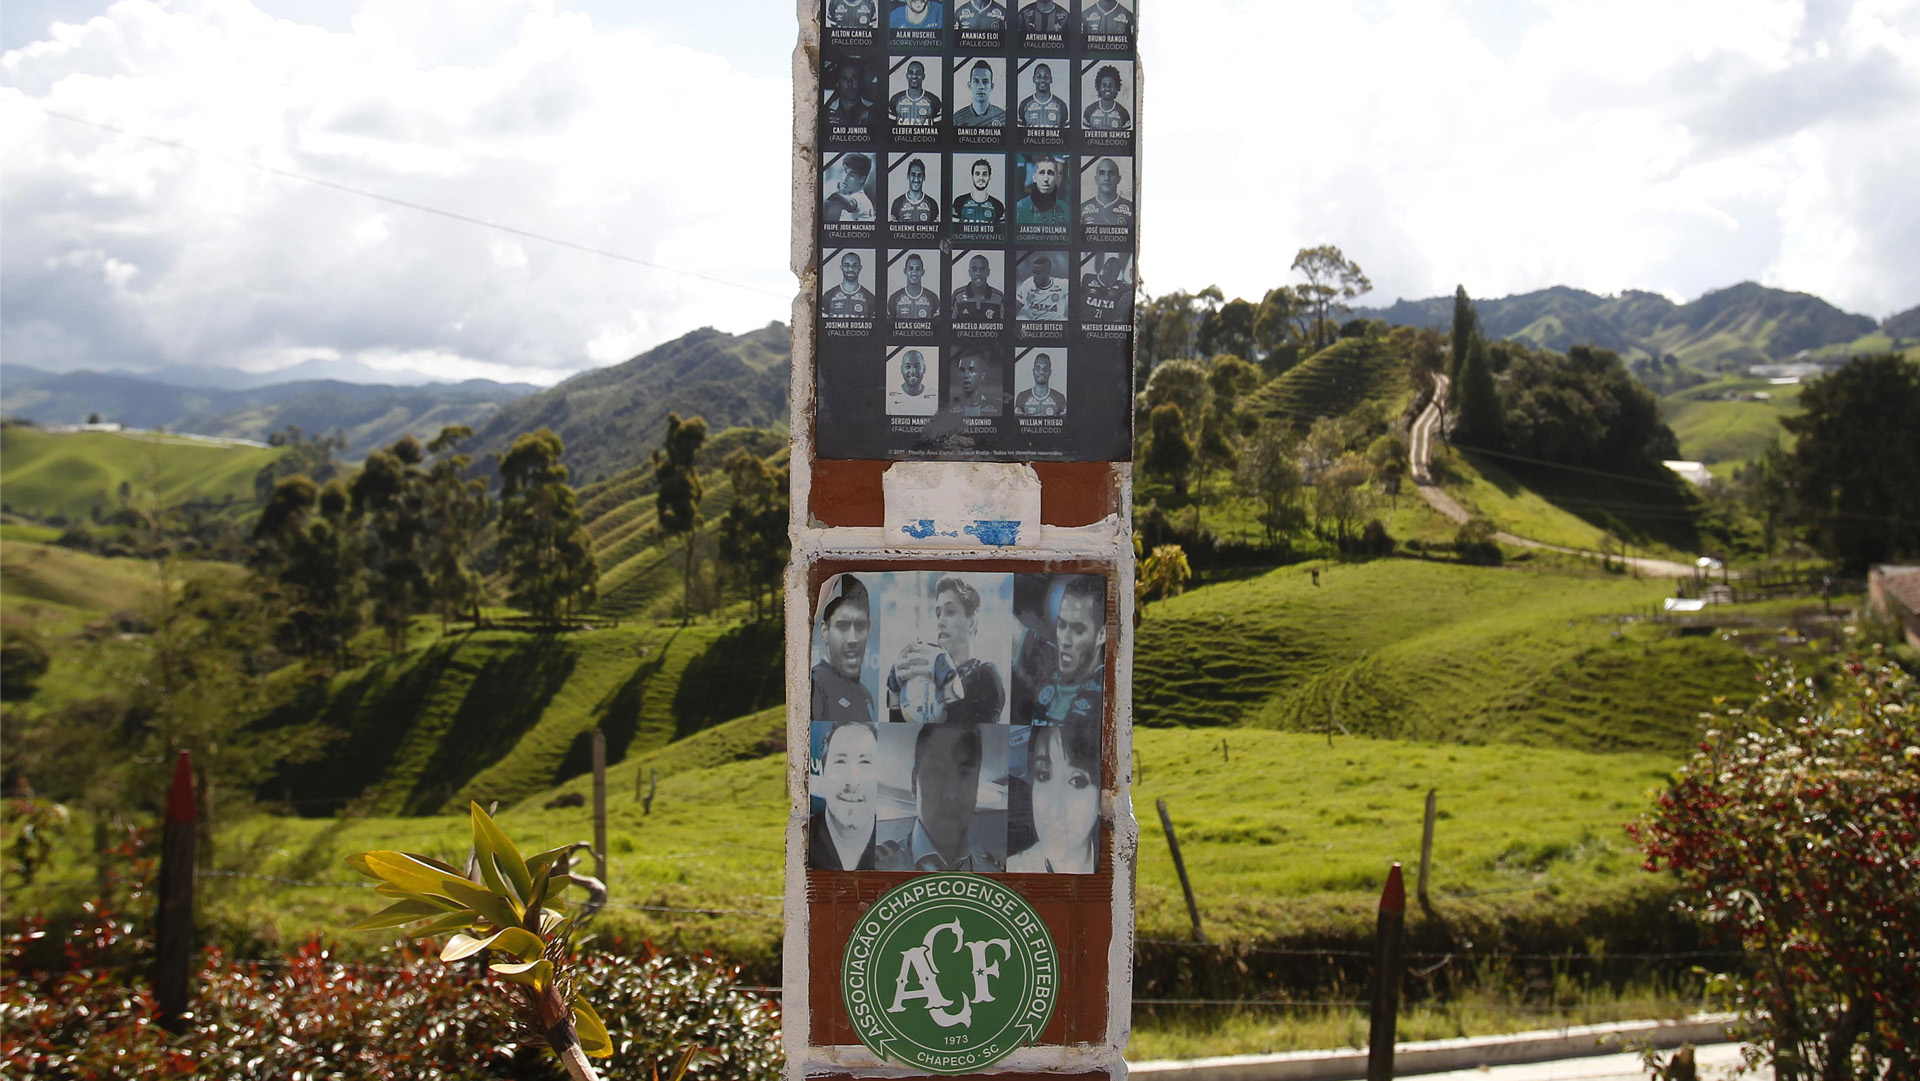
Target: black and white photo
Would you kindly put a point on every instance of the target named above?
(1107, 25)
(981, 113)
(1045, 109)
(913, 283)
(979, 212)
(1106, 289)
(974, 388)
(1056, 811)
(844, 796)
(1044, 210)
(1106, 207)
(852, 87)
(980, 24)
(914, 105)
(945, 795)
(846, 292)
(853, 22)
(913, 381)
(1041, 296)
(1043, 24)
(914, 210)
(848, 183)
(1040, 383)
(982, 301)
(843, 634)
(1106, 93)
(916, 22)
(1060, 672)
(947, 637)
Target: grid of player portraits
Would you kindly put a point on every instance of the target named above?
(977, 229)
(958, 721)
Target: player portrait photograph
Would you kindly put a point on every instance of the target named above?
(1106, 86)
(843, 796)
(1107, 24)
(984, 111)
(916, 181)
(1040, 382)
(850, 89)
(1043, 90)
(946, 646)
(843, 672)
(1044, 23)
(978, 211)
(846, 292)
(1044, 208)
(913, 285)
(980, 23)
(1041, 296)
(916, 22)
(847, 186)
(913, 83)
(975, 385)
(1107, 183)
(1060, 672)
(1106, 288)
(951, 812)
(913, 381)
(983, 297)
(852, 14)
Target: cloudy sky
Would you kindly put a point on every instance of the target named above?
(1674, 145)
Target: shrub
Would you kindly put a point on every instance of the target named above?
(1795, 831)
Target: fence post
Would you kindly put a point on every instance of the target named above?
(653, 785)
(1387, 962)
(1180, 865)
(173, 962)
(600, 803)
(1426, 849)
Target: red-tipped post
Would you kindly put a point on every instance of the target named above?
(173, 965)
(1387, 970)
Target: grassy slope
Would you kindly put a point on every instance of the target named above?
(503, 715)
(1332, 382)
(71, 474)
(1575, 509)
(1724, 433)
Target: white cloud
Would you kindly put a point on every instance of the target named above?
(1506, 144)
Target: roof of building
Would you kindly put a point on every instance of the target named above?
(1902, 584)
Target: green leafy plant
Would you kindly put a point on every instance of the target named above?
(515, 908)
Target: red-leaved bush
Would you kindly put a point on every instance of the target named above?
(74, 1005)
(1795, 831)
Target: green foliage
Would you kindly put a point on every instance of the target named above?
(308, 550)
(455, 509)
(389, 495)
(753, 533)
(1855, 466)
(1332, 279)
(1269, 473)
(1474, 541)
(75, 475)
(1164, 573)
(677, 501)
(547, 552)
(23, 660)
(1581, 409)
(1481, 420)
(1228, 329)
(1794, 831)
(517, 908)
(1466, 323)
(1333, 383)
(1169, 451)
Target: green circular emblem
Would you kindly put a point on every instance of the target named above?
(949, 974)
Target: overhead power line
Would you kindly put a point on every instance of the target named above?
(408, 204)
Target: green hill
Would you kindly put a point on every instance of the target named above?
(1729, 421)
(73, 474)
(1333, 382)
(612, 419)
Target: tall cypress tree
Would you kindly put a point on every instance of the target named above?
(1465, 322)
(1481, 423)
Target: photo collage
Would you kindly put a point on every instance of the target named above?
(958, 721)
(977, 232)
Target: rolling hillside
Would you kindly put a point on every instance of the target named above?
(1332, 382)
(73, 474)
(368, 416)
(612, 419)
(1725, 423)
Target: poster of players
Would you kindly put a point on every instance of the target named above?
(958, 721)
(978, 195)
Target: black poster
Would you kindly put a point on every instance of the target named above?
(977, 230)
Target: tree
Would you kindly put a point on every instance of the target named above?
(1169, 451)
(676, 472)
(1228, 330)
(1164, 573)
(1792, 830)
(307, 551)
(456, 508)
(547, 551)
(1340, 497)
(1270, 475)
(1332, 279)
(1856, 464)
(389, 495)
(1466, 322)
(1480, 423)
(753, 532)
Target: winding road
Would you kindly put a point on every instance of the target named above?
(1420, 454)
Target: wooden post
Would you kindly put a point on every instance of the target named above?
(1180, 865)
(600, 803)
(1387, 962)
(173, 962)
(1426, 848)
(653, 785)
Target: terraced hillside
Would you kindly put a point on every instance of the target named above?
(73, 474)
(1332, 382)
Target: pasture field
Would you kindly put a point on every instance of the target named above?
(73, 474)
(1725, 433)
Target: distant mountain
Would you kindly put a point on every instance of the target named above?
(1742, 324)
(368, 416)
(611, 419)
(1904, 325)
